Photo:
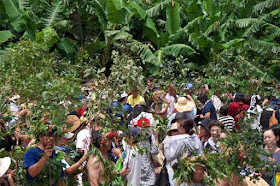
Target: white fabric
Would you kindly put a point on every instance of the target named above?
(171, 107)
(83, 139)
(216, 102)
(14, 108)
(133, 160)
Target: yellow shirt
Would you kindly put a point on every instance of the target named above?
(135, 101)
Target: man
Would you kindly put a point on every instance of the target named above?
(135, 98)
(148, 91)
(208, 110)
(99, 162)
(35, 159)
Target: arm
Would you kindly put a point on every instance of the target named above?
(93, 167)
(171, 153)
(35, 169)
(73, 168)
(207, 115)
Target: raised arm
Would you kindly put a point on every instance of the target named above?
(35, 169)
(73, 168)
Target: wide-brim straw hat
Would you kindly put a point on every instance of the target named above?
(184, 105)
(4, 165)
(74, 121)
(173, 127)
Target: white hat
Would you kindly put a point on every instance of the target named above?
(4, 165)
(68, 135)
(123, 95)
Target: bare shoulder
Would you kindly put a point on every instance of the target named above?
(93, 162)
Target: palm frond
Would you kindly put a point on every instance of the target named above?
(273, 29)
(264, 47)
(146, 53)
(53, 13)
(263, 6)
(95, 8)
(183, 33)
(244, 23)
(178, 49)
(155, 10)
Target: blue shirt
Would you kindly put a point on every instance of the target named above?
(32, 156)
(209, 107)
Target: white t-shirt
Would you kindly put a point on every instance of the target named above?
(83, 139)
(171, 107)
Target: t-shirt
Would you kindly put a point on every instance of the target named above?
(135, 101)
(228, 122)
(171, 105)
(32, 156)
(209, 107)
(83, 139)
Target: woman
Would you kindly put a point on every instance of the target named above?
(184, 145)
(213, 143)
(272, 144)
(159, 107)
(171, 98)
(139, 162)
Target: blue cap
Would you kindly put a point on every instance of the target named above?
(189, 86)
(277, 101)
(133, 131)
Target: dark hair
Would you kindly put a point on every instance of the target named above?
(74, 113)
(202, 98)
(271, 98)
(188, 125)
(239, 97)
(276, 131)
(150, 79)
(96, 136)
(247, 99)
(224, 110)
(216, 123)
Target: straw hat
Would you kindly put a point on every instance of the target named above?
(4, 165)
(173, 127)
(184, 105)
(74, 121)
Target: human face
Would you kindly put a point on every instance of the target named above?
(135, 93)
(106, 143)
(198, 174)
(215, 132)
(204, 132)
(150, 84)
(47, 140)
(270, 139)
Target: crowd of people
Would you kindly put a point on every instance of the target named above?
(138, 155)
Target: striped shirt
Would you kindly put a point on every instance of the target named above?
(228, 122)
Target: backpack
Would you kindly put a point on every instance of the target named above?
(268, 118)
